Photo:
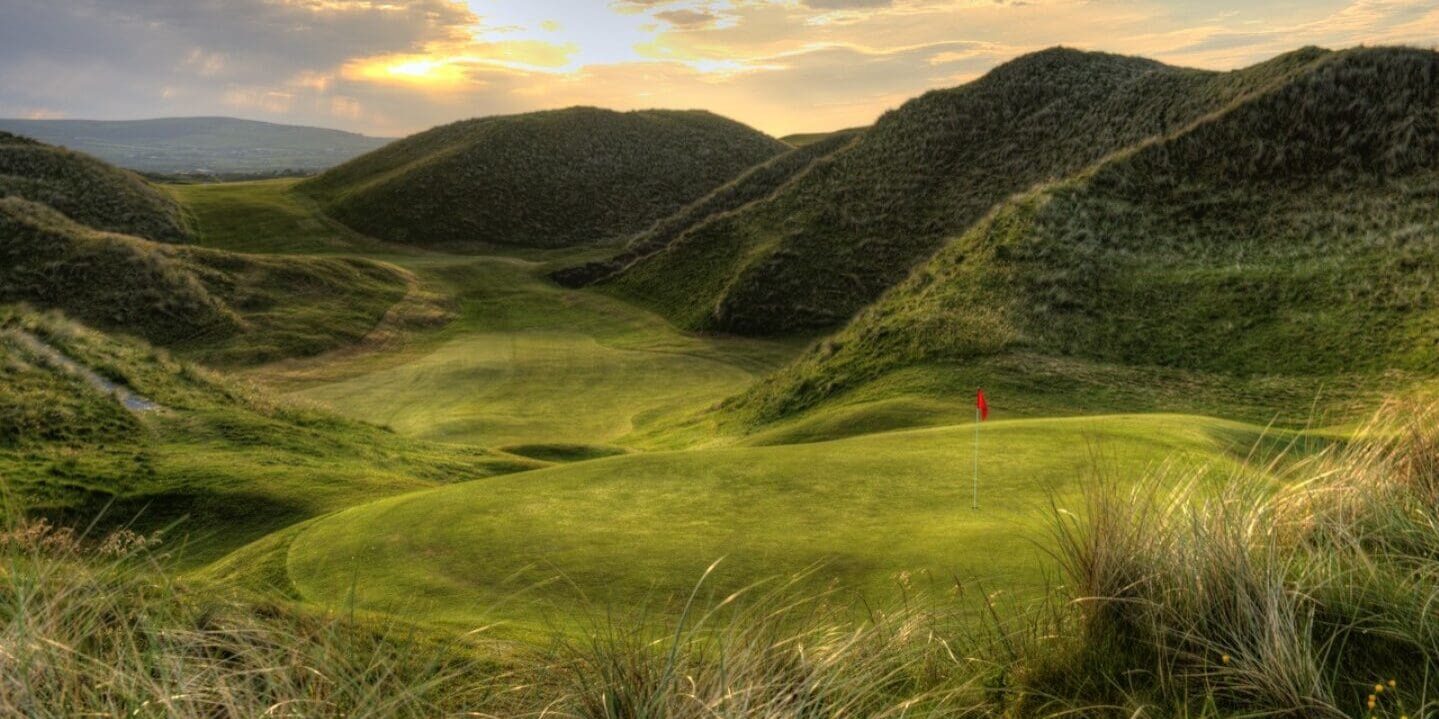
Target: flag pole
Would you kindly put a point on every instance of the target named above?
(974, 504)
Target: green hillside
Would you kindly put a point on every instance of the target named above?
(88, 190)
(544, 179)
(200, 145)
(832, 241)
(755, 184)
(228, 459)
(223, 307)
(1289, 240)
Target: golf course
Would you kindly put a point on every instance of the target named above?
(644, 490)
(1093, 386)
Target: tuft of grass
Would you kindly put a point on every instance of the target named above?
(1315, 600)
(99, 627)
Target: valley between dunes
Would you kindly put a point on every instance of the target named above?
(644, 489)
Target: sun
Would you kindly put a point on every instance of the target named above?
(414, 70)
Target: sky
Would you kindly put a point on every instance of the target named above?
(393, 67)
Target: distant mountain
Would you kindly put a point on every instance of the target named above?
(218, 145)
(1291, 234)
(88, 190)
(545, 179)
(835, 238)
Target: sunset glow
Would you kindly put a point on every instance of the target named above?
(780, 65)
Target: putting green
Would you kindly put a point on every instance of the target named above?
(638, 530)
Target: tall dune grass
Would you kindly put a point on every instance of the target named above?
(1319, 599)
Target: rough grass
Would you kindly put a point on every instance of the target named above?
(1315, 601)
(1181, 597)
(231, 462)
(222, 307)
(835, 238)
(1303, 250)
(548, 179)
(754, 185)
(88, 190)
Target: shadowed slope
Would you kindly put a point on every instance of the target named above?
(544, 179)
(854, 225)
(1293, 235)
(754, 185)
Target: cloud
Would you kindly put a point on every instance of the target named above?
(397, 66)
(686, 17)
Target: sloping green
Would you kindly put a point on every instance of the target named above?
(220, 306)
(833, 240)
(544, 179)
(88, 190)
(880, 515)
(1292, 237)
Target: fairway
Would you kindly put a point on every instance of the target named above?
(636, 532)
(527, 362)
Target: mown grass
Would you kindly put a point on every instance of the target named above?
(636, 530)
(560, 178)
(525, 362)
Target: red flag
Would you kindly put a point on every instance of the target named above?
(982, 405)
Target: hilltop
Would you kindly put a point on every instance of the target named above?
(545, 179)
(88, 190)
(831, 241)
(201, 145)
(1291, 235)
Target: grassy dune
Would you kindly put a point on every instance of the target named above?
(830, 242)
(560, 178)
(87, 190)
(1300, 256)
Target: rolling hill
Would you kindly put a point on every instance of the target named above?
(88, 190)
(222, 306)
(223, 456)
(831, 241)
(1291, 236)
(546, 179)
(200, 145)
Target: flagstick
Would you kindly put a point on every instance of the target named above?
(975, 503)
